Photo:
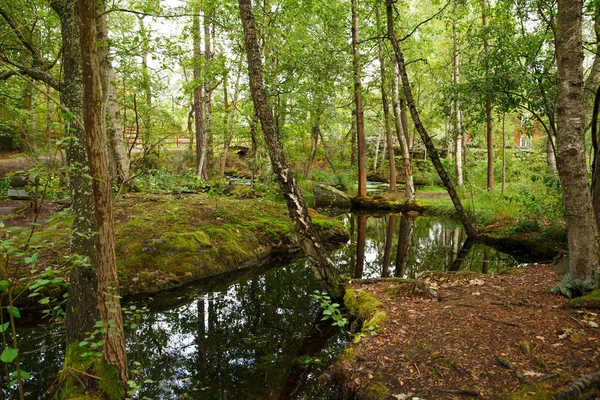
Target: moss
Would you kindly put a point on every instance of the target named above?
(360, 303)
(107, 387)
(348, 354)
(591, 300)
(377, 392)
(376, 320)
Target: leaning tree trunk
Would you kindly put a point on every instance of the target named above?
(108, 284)
(360, 124)
(402, 134)
(82, 303)
(584, 249)
(433, 155)
(310, 240)
(386, 112)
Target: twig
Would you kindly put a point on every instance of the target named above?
(500, 322)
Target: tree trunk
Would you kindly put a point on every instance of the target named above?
(402, 134)
(309, 239)
(360, 124)
(488, 103)
(503, 152)
(458, 153)
(386, 111)
(199, 101)
(108, 284)
(314, 142)
(596, 159)
(584, 250)
(82, 303)
(433, 155)
(118, 157)
(230, 116)
(208, 152)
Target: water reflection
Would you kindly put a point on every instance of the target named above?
(422, 244)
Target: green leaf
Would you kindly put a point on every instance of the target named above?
(22, 373)
(113, 310)
(9, 354)
(32, 259)
(14, 311)
(4, 327)
(4, 285)
(148, 381)
(356, 339)
(45, 300)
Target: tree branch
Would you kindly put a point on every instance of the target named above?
(424, 22)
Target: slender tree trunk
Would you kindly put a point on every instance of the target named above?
(360, 125)
(314, 136)
(208, 152)
(377, 145)
(309, 239)
(503, 152)
(386, 111)
(401, 133)
(551, 155)
(199, 100)
(488, 103)
(82, 303)
(108, 284)
(230, 115)
(584, 249)
(433, 155)
(118, 156)
(458, 153)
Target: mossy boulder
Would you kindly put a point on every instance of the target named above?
(329, 196)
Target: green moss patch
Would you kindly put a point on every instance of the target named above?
(591, 300)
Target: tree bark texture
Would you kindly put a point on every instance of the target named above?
(360, 123)
(108, 284)
(309, 239)
(82, 303)
(402, 134)
(596, 159)
(386, 110)
(433, 155)
(584, 251)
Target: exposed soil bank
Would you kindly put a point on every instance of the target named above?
(487, 336)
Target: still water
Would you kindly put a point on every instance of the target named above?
(251, 334)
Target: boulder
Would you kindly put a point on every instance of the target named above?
(330, 197)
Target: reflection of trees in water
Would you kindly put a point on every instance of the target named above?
(237, 343)
(423, 244)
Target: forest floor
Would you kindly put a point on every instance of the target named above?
(486, 336)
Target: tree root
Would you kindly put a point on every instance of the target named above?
(580, 386)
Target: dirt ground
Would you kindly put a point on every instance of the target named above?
(488, 336)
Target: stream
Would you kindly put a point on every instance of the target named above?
(252, 333)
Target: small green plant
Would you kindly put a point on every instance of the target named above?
(330, 310)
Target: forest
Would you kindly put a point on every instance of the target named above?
(299, 199)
